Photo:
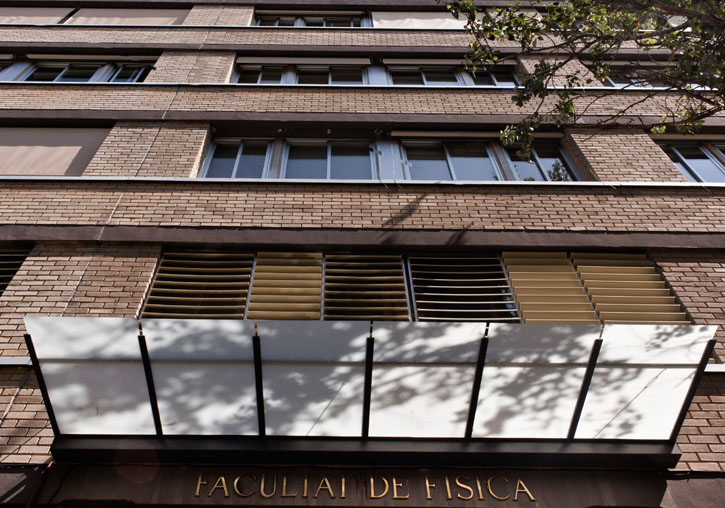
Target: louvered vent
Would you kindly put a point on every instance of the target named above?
(547, 289)
(626, 288)
(286, 286)
(461, 289)
(10, 261)
(365, 287)
(200, 285)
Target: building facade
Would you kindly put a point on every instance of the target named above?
(323, 162)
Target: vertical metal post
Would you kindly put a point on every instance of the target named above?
(709, 347)
(41, 384)
(256, 344)
(476, 388)
(593, 356)
(150, 384)
(369, 350)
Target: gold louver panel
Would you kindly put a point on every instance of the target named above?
(10, 262)
(200, 285)
(626, 288)
(365, 287)
(547, 289)
(461, 289)
(286, 286)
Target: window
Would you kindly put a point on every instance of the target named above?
(502, 76)
(621, 76)
(405, 159)
(33, 15)
(10, 262)
(78, 72)
(337, 160)
(245, 159)
(321, 21)
(425, 20)
(92, 16)
(548, 162)
(699, 162)
(303, 75)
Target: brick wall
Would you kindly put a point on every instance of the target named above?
(702, 439)
(192, 67)
(239, 15)
(25, 433)
(71, 279)
(698, 279)
(161, 149)
(322, 100)
(621, 156)
(573, 67)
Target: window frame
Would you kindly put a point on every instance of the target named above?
(407, 165)
(571, 170)
(106, 72)
(288, 143)
(300, 20)
(240, 142)
(712, 151)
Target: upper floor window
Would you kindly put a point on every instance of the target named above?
(698, 162)
(622, 76)
(77, 72)
(303, 75)
(400, 159)
(335, 20)
(91, 16)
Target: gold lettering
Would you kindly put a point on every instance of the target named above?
(324, 484)
(464, 487)
(521, 487)
(448, 488)
(237, 481)
(342, 496)
(480, 489)
(395, 490)
(490, 491)
(221, 483)
(373, 495)
(304, 487)
(261, 486)
(284, 488)
(199, 483)
(428, 486)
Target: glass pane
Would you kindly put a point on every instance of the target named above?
(706, 168)
(504, 77)
(553, 164)
(78, 73)
(471, 161)
(271, 75)
(407, 77)
(131, 74)
(286, 22)
(99, 397)
(307, 162)
(427, 163)
(307, 390)
(248, 75)
(350, 162)
(222, 163)
(633, 403)
(440, 77)
(267, 22)
(314, 22)
(44, 73)
(527, 402)
(251, 163)
(312, 76)
(427, 342)
(541, 343)
(482, 78)
(338, 22)
(678, 163)
(525, 170)
(671, 344)
(346, 76)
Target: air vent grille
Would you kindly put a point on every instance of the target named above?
(10, 262)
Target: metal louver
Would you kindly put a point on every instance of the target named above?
(461, 289)
(200, 285)
(365, 287)
(286, 286)
(547, 289)
(626, 288)
(10, 262)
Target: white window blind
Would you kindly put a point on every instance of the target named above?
(430, 20)
(128, 17)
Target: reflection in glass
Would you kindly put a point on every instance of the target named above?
(551, 161)
(427, 163)
(471, 161)
(346, 75)
(222, 164)
(252, 159)
(350, 162)
(406, 77)
(679, 164)
(78, 73)
(307, 162)
(131, 74)
(707, 169)
(525, 169)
